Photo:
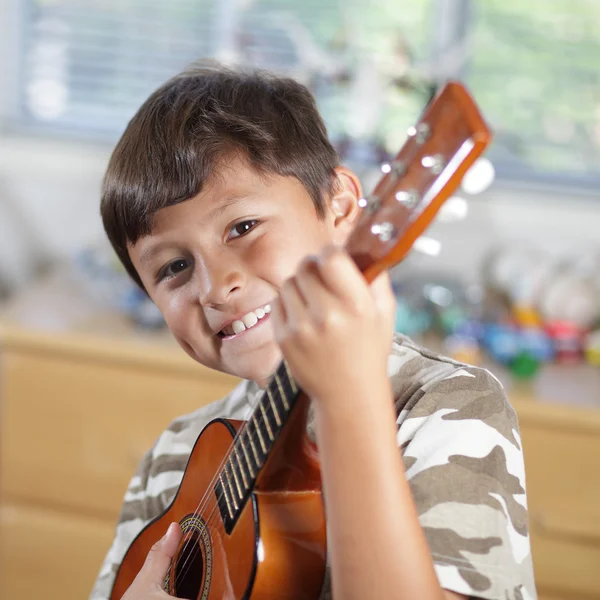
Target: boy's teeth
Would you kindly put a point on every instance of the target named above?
(238, 327)
(248, 320)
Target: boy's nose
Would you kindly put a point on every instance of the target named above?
(218, 284)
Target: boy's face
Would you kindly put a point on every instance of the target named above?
(222, 256)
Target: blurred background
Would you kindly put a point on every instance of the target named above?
(508, 277)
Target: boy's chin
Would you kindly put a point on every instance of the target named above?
(258, 367)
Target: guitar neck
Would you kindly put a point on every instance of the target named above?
(254, 444)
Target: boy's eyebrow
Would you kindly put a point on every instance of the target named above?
(148, 254)
(226, 203)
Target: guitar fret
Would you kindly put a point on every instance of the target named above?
(247, 456)
(225, 495)
(282, 393)
(253, 446)
(231, 488)
(260, 437)
(266, 420)
(290, 378)
(235, 478)
(235, 451)
(274, 406)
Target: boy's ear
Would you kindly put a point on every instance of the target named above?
(343, 204)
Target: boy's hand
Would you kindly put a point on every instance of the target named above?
(334, 329)
(149, 581)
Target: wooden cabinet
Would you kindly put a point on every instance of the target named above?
(77, 414)
(49, 552)
(562, 459)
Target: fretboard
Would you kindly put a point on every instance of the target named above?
(252, 446)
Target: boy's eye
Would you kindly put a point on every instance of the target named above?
(174, 268)
(242, 228)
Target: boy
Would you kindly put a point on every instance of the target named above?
(221, 186)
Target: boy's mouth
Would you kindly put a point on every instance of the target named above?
(249, 320)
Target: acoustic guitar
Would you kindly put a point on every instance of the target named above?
(250, 503)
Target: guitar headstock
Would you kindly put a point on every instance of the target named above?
(440, 148)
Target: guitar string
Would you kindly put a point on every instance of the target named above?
(204, 502)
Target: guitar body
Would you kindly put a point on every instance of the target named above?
(277, 548)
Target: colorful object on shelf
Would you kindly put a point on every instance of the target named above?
(142, 310)
(592, 348)
(530, 308)
(524, 365)
(463, 349)
(108, 283)
(567, 341)
(452, 318)
(471, 328)
(526, 315)
(537, 343)
(411, 320)
(501, 341)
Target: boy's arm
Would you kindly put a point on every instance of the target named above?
(378, 549)
(385, 525)
(336, 333)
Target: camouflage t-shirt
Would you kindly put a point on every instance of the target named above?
(463, 458)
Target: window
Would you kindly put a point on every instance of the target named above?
(531, 64)
(534, 68)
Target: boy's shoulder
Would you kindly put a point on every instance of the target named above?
(425, 382)
(463, 459)
(181, 435)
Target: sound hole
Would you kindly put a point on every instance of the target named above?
(189, 570)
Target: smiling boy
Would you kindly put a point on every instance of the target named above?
(225, 201)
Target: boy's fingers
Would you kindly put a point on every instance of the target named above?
(341, 275)
(382, 292)
(384, 298)
(159, 558)
(293, 304)
(316, 294)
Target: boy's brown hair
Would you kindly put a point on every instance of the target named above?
(177, 138)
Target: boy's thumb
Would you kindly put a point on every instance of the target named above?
(159, 558)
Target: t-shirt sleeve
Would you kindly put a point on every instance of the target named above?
(132, 518)
(464, 461)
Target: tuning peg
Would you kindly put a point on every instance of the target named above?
(434, 163)
(397, 168)
(409, 198)
(421, 132)
(384, 231)
(371, 203)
